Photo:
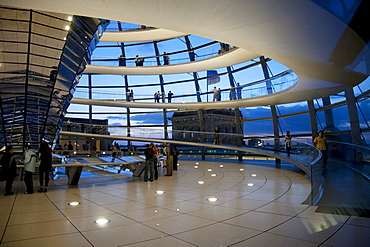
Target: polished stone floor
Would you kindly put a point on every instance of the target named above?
(257, 205)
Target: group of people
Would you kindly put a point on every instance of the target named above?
(9, 167)
(139, 61)
(152, 154)
(235, 93)
(130, 95)
(158, 96)
(321, 142)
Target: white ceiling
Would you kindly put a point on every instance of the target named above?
(299, 34)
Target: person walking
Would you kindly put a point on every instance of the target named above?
(46, 158)
(9, 169)
(288, 142)
(29, 161)
(321, 142)
(169, 158)
(149, 163)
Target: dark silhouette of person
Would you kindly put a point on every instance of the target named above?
(170, 95)
(166, 59)
(9, 169)
(46, 158)
(121, 60)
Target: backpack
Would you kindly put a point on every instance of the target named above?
(172, 151)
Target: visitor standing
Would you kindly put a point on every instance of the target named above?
(321, 142)
(9, 169)
(170, 95)
(288, 142)
(149, 163)
(169, 158)
(46, 158)
(166, 59)
(215, 94)
(238, 91)
(29, 161)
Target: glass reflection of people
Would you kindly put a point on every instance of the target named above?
(121, 60)
(288, 142)
(321, 142)
(217, 136)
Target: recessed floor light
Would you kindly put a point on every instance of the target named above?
(209, 170)
(200, 182)
(212, 199)
(221, 165)
(254, 175)
(101, 221)
(241, 169)
(73, 203)
(159, 192)
(195, 166)
(213, 175)
(250, 184)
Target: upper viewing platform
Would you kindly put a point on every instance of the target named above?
(140, 34)
(205, 58)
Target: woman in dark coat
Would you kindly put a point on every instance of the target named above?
(46, 158)
(9, 169)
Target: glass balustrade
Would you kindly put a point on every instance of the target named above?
(176, 58)
(258, 88)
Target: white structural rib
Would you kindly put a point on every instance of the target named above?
(138, 35)
(320, 48)
(232, 57)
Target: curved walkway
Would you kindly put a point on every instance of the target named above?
(314, 45)
(138, 35)
(229, 58)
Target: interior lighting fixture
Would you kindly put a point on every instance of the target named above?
(209, 170)
(254, 175)
(197, 163)
(67, 27)
(221, 166)
(73, 203)
(200, 182)
(212, 199)
(69, 18)
(65, 38)
(213, 175)
(241, 169)
(195, 167)
(101, 221)
(160, 192)
(250, 184)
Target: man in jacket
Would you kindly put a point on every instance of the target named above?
(9, 169)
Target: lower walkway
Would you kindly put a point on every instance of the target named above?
(257, 205)
(346, 192)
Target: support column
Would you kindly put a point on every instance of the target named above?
(195, 75)
(239, 131)
(329, 118)
(353, 117)
(163, 92)
(202, 130)
(275, 122)
(313, 122)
